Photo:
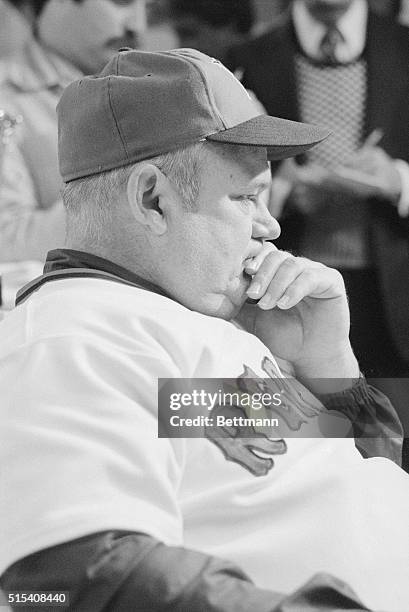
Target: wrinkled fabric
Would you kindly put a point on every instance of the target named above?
(129, 572)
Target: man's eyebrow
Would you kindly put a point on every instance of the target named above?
(254, 188)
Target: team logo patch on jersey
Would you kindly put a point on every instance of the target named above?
(247, 445)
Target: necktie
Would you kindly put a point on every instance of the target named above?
(328, 46)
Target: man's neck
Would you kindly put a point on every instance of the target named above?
(65, 261)
(352, 26)
(116, 256)
(328, 18)
(329, 21)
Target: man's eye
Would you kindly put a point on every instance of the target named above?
(248, 198)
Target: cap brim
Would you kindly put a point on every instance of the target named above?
(282, 138)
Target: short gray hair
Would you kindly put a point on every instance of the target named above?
(90, 201)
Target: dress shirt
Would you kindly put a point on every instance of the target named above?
(352, 27)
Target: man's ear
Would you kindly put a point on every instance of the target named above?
(146, 190)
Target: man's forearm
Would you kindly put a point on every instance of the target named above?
(328, 374)
(131, 572)
(119, 571)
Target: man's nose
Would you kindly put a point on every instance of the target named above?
(265, 225)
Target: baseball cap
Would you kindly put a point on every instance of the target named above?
(145, 104)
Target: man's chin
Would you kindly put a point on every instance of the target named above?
(222, 309)
(225, 306)
(236, 297)
(329, 15)
(231, 305)
(224, 303)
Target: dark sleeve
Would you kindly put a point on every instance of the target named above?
(377, 429)
(129, 572)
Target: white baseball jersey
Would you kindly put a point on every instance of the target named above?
(80, 453)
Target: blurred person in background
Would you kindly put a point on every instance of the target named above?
(212, 26)
(336, 63)
(69, 38)
(14, 30)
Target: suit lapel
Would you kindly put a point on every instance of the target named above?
(277, 60)
(385, 64)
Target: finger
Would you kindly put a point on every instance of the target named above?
(309, 201)
(285, 275)
(265, 273)
(315, 175)
(300, 288)
(366, 156)
(314, 282)
(253, 264)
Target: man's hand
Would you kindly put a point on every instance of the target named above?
(302, 315)
(375, 163)
(314, 187)
(305, 186)
(369, 172)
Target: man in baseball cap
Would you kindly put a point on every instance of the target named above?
(169, 273)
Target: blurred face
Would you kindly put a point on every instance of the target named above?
(87, 33)
(208, 248)
(328, 11)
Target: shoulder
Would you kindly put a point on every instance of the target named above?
(35, 69)
(125, 319)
